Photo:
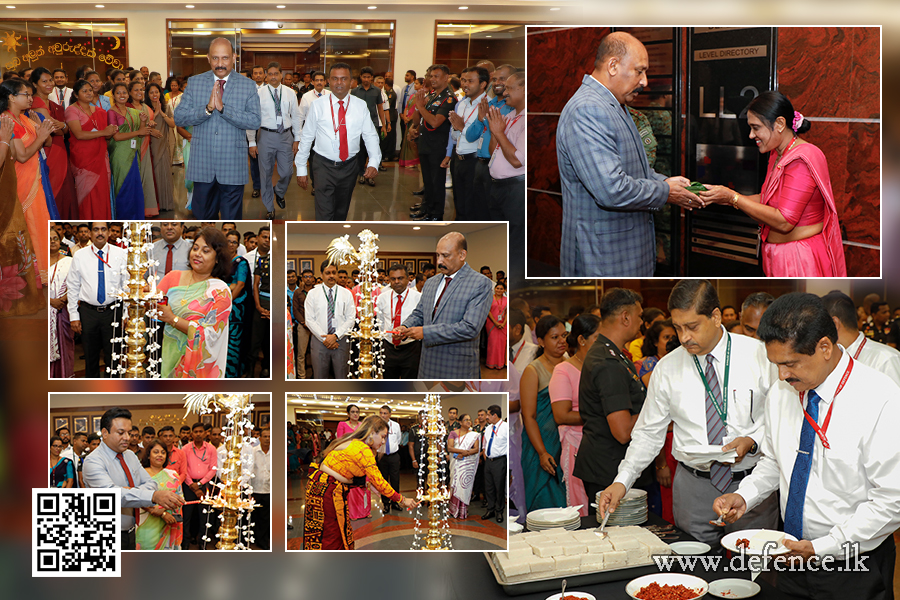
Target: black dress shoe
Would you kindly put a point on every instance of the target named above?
(255, 194)
(361, 180)
(419, 214)
(396, 507)
(270, 216)
(313, 191)
(416, 207)
(382, 168)
(279, 200)
(488, 515)
(371, 182)
(387, 509)
(500, 518)
(419, 192)
(484, 504)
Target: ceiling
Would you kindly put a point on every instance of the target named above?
(330, 406)
(428, 230)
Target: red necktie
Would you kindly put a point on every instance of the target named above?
(221, 88)
(169, 258)
(397, 317)
(436, 304)
(121, 460)
(342, 125)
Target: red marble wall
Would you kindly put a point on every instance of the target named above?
(827, 72)
(557, 61)
(834, 73)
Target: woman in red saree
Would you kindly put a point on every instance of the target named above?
(799, 229)
(90, 130)
(61, 179)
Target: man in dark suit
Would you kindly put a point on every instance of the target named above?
(222, 106)
(451, 312)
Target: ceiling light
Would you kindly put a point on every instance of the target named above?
(463, 8)
(280, 6)
(99, 6)
(10, 6)
(372, 7)
(416, 228)
(346, 227)
(488, 36)
(189, 6)
(555, 8)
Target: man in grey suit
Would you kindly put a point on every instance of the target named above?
(451, 312)
(222, 106)
(609, 190)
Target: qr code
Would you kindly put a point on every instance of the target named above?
(75, 532)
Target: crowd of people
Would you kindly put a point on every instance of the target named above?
(612, 397)
(425, 333)
(372, 451)
(162, 475)
(214, 321)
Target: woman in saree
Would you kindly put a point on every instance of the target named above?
(409, 151)
(290, 372)
(464, 445)
(59, 173)
(20, 280)
(496, 329)
(136, 101)
(564, 404)
(157, 527)
(238, 282)
(62, 470)
(163, 122)
(799, 229)
(123, 156)
(28, 139)
(173, 98)
(62, 343)
(359, 499)
(348, 459)
(99, 100)
(195, 339)
(541, 449)
(90, 132)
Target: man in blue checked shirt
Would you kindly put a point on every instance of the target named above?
(609, 190)
(479, 132)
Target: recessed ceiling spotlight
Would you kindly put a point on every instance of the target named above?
(280, 6)
(372, 7)
(463, 8)
(346, 227)
(555, 8)
(189, 6)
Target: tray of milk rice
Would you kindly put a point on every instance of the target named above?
(538, 561)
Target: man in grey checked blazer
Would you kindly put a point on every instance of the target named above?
(609, 190)
(450, 316)
(221, 114)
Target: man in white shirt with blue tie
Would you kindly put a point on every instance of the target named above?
(330, 315)
(97, 274)
(338, 123)
(831, 449)
(278, 137)
(389, 461)
(495, 441)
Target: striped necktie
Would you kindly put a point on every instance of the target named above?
(719, 473)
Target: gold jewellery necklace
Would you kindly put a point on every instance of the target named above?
(788, 149)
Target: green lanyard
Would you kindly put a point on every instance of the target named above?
(723, 411)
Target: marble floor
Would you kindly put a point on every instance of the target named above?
(396, 531)
(388, 200)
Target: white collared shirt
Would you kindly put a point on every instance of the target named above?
(306, 101)
(387, 300)
(61, 97)
(322, 129)
(290, 114)
(853, 492)
(500, 445)
(82, 279)
(261, 470)
(394, 436)
(443, 283)
(468, 110)
(523, 352)
(677, 394)
(880, 357)
(316, 311)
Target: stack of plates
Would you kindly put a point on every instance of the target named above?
(632, 510)
(553, 518)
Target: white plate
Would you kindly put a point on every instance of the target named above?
(733, 588)
(552, 515)
(514, 527)
(689, 581)
(583, 595)
(728, 542)
(689, 548)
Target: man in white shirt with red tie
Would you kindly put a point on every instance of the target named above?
(389, 461)
(831, 449)
(97, 274)
(61, 92)
(394, 305)
(319, 81)
(338, 123)
(495, 441)
(278, 138)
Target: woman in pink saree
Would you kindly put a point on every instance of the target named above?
(358, 500)
(799, 229)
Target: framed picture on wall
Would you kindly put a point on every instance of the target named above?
(207, 420)
(223, 419)
(410, 264)
(264, 418)
(95, 424)
(382, 264)
(306, 263)
(291, 264)
(80, 424)
(421, 265)
(60, 422)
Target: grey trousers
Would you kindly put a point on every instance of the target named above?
(274, 149)
(692, 501)
(329, 364)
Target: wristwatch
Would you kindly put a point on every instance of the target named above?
(175, 322)
(754, 448)
(208, 112)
